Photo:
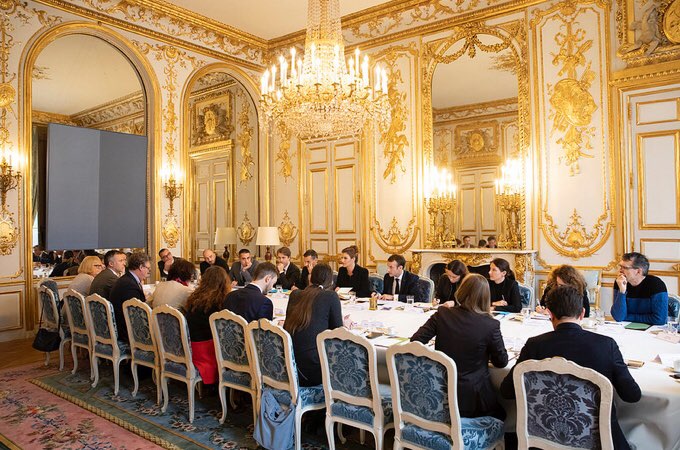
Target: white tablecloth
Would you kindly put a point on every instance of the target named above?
(651, 423)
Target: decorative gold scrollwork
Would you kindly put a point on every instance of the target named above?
(416, 262)
(287, 231)
(246, 231)
(523, 264)
(283, 155)
(244, 137)
(469, 259)
(170, 231)
(394, 241)
(575, 241)
(671, 22)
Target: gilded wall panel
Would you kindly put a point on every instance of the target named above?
(571, 91)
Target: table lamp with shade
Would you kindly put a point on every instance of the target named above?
(225, 236)
(268, 236)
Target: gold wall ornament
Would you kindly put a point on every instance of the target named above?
(676, 267)
(393, 137)
(245, 231)
(212, 121)
(524, 263)
(671, 22)
(440, 201)
(443, 149)
(376, 26)
(647, 32)
(170, 230)
(287, 231)
(477, 139)
(572, 103)
(283, 155)
(244, 137)
(576, 241)
(416, 262)
(394, 241)
(469, 259)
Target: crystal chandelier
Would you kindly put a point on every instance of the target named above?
(322, 96)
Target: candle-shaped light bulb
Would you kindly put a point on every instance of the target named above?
(356, 61)
(364, 71)
(384, 81)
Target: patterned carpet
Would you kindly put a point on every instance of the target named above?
(44, 408)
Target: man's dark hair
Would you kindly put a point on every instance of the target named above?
(264, 269)
(108, 256)
(400, 260)
(638, 260)
(243, 250)
(564, 302)
(68, 254)
(311, 253)
(160, 252)
(137, 260)
(181, 269)
(285, 251)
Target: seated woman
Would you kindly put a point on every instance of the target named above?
(351, 274)
(449, 282)
(471, 337)
(566, 275)
(175, 291)
(311, 311)
(205, 300)
(504, 289)
(88, 269)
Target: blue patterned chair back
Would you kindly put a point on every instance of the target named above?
(229, 336)
(554, 390)
(673, 305)
(49, 309)
(377, 283)
(172, 336)
(424, 389)
(527, 295)
(272, 351)
(52, 286)
(427, 288)
(76, 312)
(103, 328)
(142, 339)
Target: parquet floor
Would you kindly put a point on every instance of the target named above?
(20, 352)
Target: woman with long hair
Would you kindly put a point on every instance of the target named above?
(351, 274)
(471, 337)
(448, 283)
(88, 269)
(311, 311)
(175, 290)
(504, 289)
(205, 300)
(566, 275)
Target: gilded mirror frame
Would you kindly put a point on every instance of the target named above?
(152, 97)
(511, 36)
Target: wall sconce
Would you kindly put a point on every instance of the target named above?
(173, 189)
(225, 236)
(268, 236)
(440, 200)
(9, 180)
(509, 197)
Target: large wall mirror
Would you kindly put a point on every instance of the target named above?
(82, 81)
(476, 113)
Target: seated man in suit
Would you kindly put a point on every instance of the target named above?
(251, 303)
(114, 261)
(289, 273)
(129, 285)
(166, 262)
(592, 350)
(310, 257)
(491, 242)
(467, 242)
(400, 282)
(243, 270)
(211, 259)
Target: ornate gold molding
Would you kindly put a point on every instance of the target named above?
(471, 259)
(394, 139)
(671, 22)
(416, 263)
(47, 117)
(283, 155)
(244, 137)
(576, 241)
(506, 105)
(287, 231)
(246, 231)
(394, 241)
(523, 263)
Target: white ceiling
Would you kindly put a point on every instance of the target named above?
(82, 72)
(267, 19)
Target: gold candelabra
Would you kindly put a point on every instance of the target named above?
(173, 189)
(509, 199)
(440, 201)
(9, 180)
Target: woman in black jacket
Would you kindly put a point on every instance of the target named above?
(504, 289)
(351, 274)
(448, 283)
(471, 337)
(311, 311)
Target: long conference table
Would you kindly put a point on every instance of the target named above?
(651, 423)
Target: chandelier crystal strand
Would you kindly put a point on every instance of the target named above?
(321, 95)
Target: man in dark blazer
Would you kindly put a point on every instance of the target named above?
(401, 282)
(310, 257)
(289, 273)
(128, 286)
(243, 270)
(211, 259)
(592, 350)
(250, 302)
(166, 262)
(114, 260)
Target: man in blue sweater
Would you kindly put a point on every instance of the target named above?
(639, 297)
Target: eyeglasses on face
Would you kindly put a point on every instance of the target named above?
(622, 267)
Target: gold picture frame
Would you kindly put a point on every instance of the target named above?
(212, 120)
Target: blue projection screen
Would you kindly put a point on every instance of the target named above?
(96, 189)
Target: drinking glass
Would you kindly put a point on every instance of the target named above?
(670, 324)
(409, 302)
(279, 289)
(526, 313)
(352, 297)
(599, 316)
